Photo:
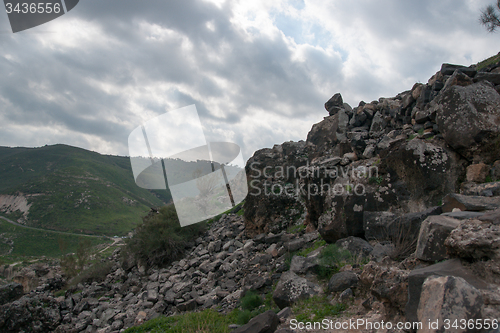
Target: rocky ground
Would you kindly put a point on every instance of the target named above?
(409, 185)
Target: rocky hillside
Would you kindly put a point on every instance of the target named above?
(389, 213)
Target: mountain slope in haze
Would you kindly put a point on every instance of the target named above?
(71, 189)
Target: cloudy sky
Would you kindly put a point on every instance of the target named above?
(258, 72)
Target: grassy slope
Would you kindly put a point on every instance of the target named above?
(489, 61)
(28, 242)
(81, 191)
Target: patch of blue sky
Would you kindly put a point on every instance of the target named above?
(297, 4)
(306, 33)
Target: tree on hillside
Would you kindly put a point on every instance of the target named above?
(490, 18)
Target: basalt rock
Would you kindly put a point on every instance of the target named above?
(414, 161)
(469, 203)
(469, 120)
(292, 288)
(417, 277)
(334, 104)
(475, 239)
(10, 292)
(266, 322)
(448, 298)
(433, 233)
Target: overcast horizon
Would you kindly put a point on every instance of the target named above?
(259, 73)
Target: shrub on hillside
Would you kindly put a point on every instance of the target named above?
(160, 239)
(95, 273)
(331, 259)
(72, 264)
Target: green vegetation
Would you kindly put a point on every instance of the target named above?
(488, 179)
(378, 180)
(316, 308)
(295, 229)
(251, 300)
(317, 244)
(160, 239)
(421, 131)
(252, 305)
(331, 259)
(485, 63)
(32, 242)
(60, 293)
(75, 190)
(97, 272)
(413, 136)
(79, 267)
(208, 321)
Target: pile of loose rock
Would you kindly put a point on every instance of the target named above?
(214, 274)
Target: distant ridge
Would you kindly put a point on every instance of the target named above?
(72, 189)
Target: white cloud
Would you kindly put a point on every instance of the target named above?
(259, 72)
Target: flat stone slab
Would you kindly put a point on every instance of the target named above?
(463, 215)
(469, 203)
(485, 189)
(491, 216)
(433, 233)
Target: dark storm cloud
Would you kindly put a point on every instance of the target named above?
(128, 56)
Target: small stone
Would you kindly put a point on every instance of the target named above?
(342, 280)
(346, 295)
(477, 172)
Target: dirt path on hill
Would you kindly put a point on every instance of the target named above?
(40, 229)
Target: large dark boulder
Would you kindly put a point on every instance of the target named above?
(343, 280)
(449, 298)
(469, 120)
(491, 77)
(449, 69)
(357, 246)
(433, 233)
(266, 322)
(389, 226)
(328, 132)
(302, 265)
(334, 104)
(270, 172)
(428, 169)
(417, 277)
(346, 217)
(376, 224)
(10, 292)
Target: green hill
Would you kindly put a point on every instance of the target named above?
(75, 190)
